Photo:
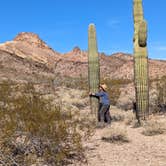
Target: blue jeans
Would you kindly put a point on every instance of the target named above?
(104, 114)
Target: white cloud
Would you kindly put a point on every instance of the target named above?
(161, 48)
(113, 23)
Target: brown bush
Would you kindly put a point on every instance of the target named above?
(32, 130)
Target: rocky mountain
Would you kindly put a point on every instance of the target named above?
(27, 57)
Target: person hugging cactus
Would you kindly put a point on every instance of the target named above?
(104, 106)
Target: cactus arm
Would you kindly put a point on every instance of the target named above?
(142, 34)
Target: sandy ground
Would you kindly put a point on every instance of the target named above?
(140, 151)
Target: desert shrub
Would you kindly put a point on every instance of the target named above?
(161, 100)
(129, 118)
(79, 105)
(122, 115)
(117, 115)
(159, 104)
(32, 130)
(115, 135)
(82, 83)
(72, 82)
(5, 91)
(73, 98)
(153, 127)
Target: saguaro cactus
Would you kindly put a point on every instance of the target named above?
(140, 61)
(93, 68)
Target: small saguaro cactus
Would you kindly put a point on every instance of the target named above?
(93, 68)
(140, 61)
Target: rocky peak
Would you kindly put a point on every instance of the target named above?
(76, 50)
(32, 39)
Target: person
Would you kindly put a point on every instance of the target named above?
(104, 106)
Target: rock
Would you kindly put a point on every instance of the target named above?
(31, 38)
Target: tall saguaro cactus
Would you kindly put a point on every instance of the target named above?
(140, 61)
(93, 68)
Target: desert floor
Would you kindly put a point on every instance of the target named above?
(141, 150)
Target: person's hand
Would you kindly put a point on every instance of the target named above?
(90, 93)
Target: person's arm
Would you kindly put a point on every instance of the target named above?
(98, 94)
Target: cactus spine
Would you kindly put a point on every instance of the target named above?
(140, 61)
(93, 68)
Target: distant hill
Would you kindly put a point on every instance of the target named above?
(28, 58)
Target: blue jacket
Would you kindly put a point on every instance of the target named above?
(104, 97)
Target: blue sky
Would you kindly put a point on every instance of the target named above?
(63, 24)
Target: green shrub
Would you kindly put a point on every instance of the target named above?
(32, 131)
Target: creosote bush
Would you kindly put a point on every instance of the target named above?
(32, 130)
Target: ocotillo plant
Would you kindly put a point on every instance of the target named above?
(93, 68)
(140, 61)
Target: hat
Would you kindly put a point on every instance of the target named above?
(103, 86)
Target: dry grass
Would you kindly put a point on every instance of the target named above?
(115, 134)
(128, 117)
(154, 126)
(73, 98)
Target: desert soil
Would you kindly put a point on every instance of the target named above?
(140, 151)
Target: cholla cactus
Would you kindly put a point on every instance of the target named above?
(93, 68)
(140, 61)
